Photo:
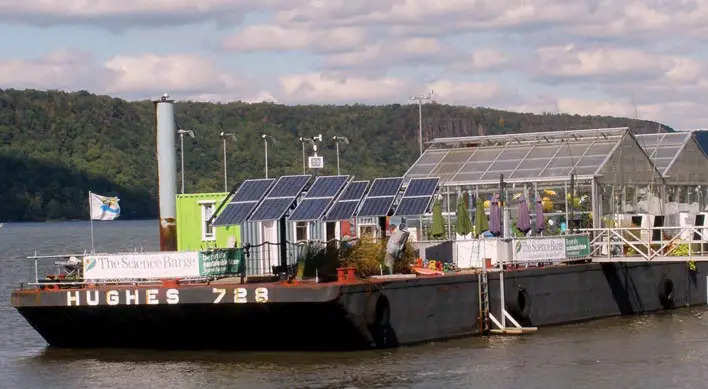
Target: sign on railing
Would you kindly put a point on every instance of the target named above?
(551, 249)
(161, 265)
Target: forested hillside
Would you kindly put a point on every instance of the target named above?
(56, 146)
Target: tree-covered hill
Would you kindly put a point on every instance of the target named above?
(56, 146)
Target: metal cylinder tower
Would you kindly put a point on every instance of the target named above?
(165, 132)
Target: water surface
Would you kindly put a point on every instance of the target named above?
(667, 350)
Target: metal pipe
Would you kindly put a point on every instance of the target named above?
(165, 131)
(337, 158)
(181, 155)
(226, 179)
(420, 127)
(266, 156)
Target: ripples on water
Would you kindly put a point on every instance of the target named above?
(665, 350)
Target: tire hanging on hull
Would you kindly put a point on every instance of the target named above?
(666, 293)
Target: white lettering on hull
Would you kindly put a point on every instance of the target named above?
(113, 297)
(155, 297)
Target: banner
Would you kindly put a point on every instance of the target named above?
(141, 265)
(577, 246)
(220, 262)
(163, 265)
(539, 250)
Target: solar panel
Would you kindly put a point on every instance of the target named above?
(310, 209)
(416, 199)
(421, 187)
(376, 206)
(280, 198)
(252, 190)
(348, 201)
(342, 210)
(385, 187)
(354, 191)
(272, 209)
(318, 198)
(327, 186)
(246, 198)
(413, 206)
(289, 186)
(380, 197)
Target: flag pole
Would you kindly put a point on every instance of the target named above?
(91, 219)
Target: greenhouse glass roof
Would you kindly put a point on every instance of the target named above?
(677, 155)
(543, 156)
(663, 148)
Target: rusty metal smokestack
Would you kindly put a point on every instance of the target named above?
(166, 132)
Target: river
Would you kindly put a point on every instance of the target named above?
(666, 350)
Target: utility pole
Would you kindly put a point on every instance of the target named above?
(420, 99)
(223, 138)
(336, 141)
(181, 133)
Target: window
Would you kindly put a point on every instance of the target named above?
(301, 231)
(207, 228)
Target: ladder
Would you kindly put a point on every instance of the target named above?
(483, 283)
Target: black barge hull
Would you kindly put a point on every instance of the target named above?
(344, 316)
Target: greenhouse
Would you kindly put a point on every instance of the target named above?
(582, 179)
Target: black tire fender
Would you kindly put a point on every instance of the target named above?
(519, 304)
(378, 310)
(666, 292)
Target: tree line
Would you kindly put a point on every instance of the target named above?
(56, 146)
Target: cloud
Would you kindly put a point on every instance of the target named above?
(151, 73)
(132, 77)
(276, 38)
(319, 88)
(125, 13)
(482, 60)
(466, 93)
(67, 69)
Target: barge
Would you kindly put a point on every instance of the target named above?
(594, 251)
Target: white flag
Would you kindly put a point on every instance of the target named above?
(104, 208)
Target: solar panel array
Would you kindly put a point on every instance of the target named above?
(280, 198)
(318, 198)
(380, 197)
(346, 204)
(246, 198)
(416, 199)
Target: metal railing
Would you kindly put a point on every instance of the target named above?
(649, 243)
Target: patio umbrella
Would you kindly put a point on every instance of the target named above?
(523, 223)
(540, 223)
(480, 218)
(495, 216)
(438, 228)
(463, 226)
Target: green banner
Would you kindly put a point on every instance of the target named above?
(220, 262)
(577, 246)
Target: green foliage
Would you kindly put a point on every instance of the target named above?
(56, 146)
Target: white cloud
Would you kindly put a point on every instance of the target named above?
(569, 61)
(175, 73)
(186, 77)
(319, 88)
(465, 93)
(63, 69)
(276, 38)
(112, 14)
(482, 60)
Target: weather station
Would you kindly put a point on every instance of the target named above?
(315, 161)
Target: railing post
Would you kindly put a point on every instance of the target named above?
(690, 244)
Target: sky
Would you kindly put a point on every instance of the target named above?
(635, 58)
